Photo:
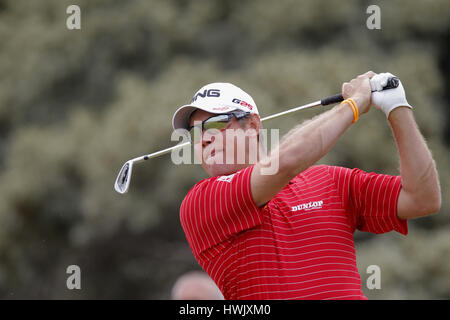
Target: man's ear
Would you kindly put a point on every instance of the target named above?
(254, 122)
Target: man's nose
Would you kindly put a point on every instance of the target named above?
(206, 139)
(210, 135)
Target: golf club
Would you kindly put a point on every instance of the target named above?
(122, 182)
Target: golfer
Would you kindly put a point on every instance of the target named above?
(289, 234)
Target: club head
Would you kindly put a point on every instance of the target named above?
(123, 178)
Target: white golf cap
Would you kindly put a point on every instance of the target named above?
(217, 97)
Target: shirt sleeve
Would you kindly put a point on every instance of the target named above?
(370, 199)
(216, 209)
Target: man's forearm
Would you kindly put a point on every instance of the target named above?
(417, 168)
(306, 144)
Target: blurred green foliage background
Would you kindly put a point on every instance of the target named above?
(76, 104)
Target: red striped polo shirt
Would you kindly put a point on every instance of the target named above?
(300, 244)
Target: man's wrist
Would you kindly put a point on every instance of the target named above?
(357, 101)
(347, 111)
(398, 112)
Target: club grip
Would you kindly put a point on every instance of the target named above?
(392, 83)
(333, 99)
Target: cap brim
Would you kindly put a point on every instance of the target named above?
(181, 117)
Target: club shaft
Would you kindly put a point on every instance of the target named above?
(392, 83)
(306, 106)
(178, 146)
(123, 179)
(159, 153)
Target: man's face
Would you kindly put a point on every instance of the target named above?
(220, 152)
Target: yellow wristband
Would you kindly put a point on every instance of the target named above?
(352, 105)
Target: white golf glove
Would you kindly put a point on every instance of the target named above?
(387, 100)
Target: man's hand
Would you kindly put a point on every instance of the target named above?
(359, 90)
(387, 100)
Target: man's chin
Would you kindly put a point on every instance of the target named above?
(223, 169)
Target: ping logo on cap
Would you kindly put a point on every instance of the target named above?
(206, 93)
